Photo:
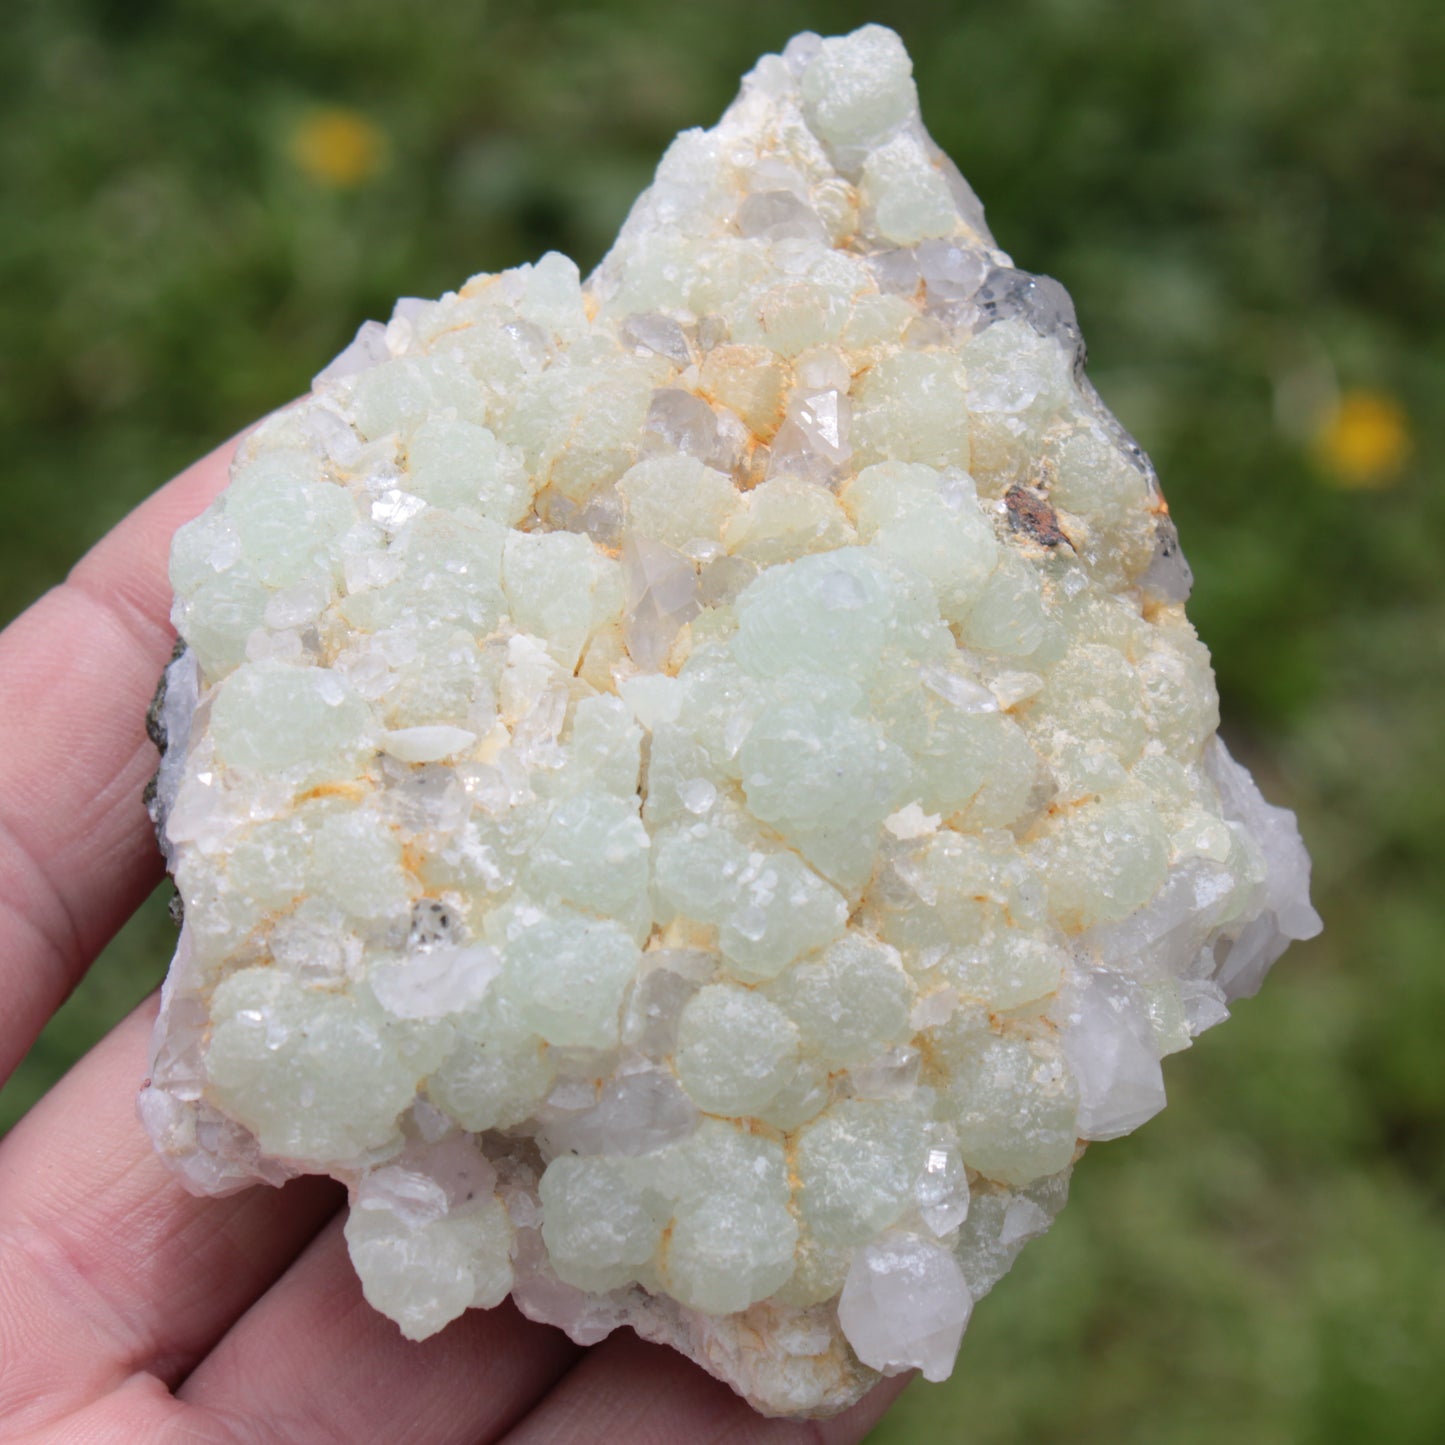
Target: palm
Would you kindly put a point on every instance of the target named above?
(130, 1310)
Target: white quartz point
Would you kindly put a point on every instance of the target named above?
(634, 1114)
(912, 822)
(1288, 913)
(394, 508)
(427, 744)
(905, 1305)
(660, 334)
(1023, 1220)
(942, 1190)
(367, 349)
(434, 982)
(661, 597)
(1113, 1057)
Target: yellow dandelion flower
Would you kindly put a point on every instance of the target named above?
(338, 147)
(1364, 441)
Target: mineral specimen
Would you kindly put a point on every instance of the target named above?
(694, 794)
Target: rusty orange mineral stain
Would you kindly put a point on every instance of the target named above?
(1029, 512)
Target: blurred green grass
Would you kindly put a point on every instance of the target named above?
(1247, 201)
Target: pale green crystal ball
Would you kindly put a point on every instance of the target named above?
(694, 793)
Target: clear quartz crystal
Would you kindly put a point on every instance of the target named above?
(693, 792)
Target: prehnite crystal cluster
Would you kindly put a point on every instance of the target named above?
(694, 793)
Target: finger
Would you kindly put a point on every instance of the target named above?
(107, 1266)
(140, 1409)
(78, 669)
(312, 1362)
(629, 1390)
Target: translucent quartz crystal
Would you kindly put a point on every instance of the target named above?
(694, 794)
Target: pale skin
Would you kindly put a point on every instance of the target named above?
(131, 1311)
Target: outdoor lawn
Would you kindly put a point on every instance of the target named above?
(200, 201)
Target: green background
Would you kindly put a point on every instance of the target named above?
(1245, 200)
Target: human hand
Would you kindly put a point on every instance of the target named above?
(131, 1311)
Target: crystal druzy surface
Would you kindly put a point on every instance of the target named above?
(694, 793)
